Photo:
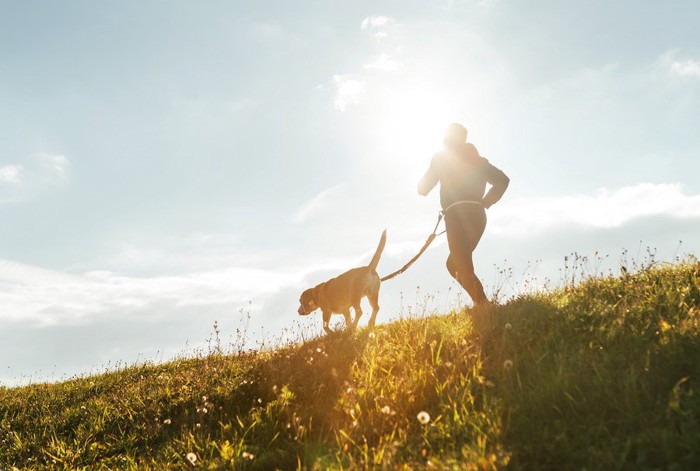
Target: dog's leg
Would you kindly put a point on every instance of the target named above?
(374, 302)
(358, 314)
(348, 320)
(326, 320)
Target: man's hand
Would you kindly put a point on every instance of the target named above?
(429, 180)
(421, 189)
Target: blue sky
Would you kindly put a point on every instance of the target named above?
(167, 164)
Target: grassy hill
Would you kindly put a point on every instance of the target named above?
(601, 374)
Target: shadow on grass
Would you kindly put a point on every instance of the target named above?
(295, 393)
(604, 376)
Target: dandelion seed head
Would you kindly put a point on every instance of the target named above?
(508, 364)
(508, 326)
(423, 417)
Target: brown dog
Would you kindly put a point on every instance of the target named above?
(346, 291)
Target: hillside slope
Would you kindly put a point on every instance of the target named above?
(601, 375)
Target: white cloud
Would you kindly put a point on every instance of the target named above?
(686, 68)
(39, 172)
(377, 22)
(317, 204)
(46, 297)
(11, 173)
(350, 87)
(605, 209)
(53, 165)
(384, 62)
(669, 64)
(347, 91)
(379, 26)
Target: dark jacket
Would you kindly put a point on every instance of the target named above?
(463, 175)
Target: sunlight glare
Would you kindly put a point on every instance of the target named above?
(409, 126)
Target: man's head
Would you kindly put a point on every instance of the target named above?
(455, 134)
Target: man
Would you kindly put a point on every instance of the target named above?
(463, 175)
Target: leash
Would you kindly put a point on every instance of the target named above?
(430, 239)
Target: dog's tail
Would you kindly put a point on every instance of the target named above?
(378, 254)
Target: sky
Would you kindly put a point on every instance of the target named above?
(168, 165)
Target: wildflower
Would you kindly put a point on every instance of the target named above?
(371, 335)
(423, 417)
(508, 326)
(204, 410)
(198, 425)
(386, 410)
(508, 364)
(167, 422)
(192, 458)
(247, 456)
(318, 350)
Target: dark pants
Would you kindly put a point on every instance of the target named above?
(465, 225)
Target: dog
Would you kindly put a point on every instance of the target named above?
(339, 294)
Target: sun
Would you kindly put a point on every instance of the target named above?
(408, 125)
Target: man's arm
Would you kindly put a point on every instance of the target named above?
(499, 183)
(429, 180)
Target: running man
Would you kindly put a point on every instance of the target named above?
(463, 175)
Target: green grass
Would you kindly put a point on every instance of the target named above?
(600, 374)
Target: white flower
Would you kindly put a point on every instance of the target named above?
(386, 410)
(247, 456)
(192, 458)
(167, 421)
(423, 417)
(508, 364)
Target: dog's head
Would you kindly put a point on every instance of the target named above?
(307, 302)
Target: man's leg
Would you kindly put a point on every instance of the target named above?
(461, 267)
(464, 230)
